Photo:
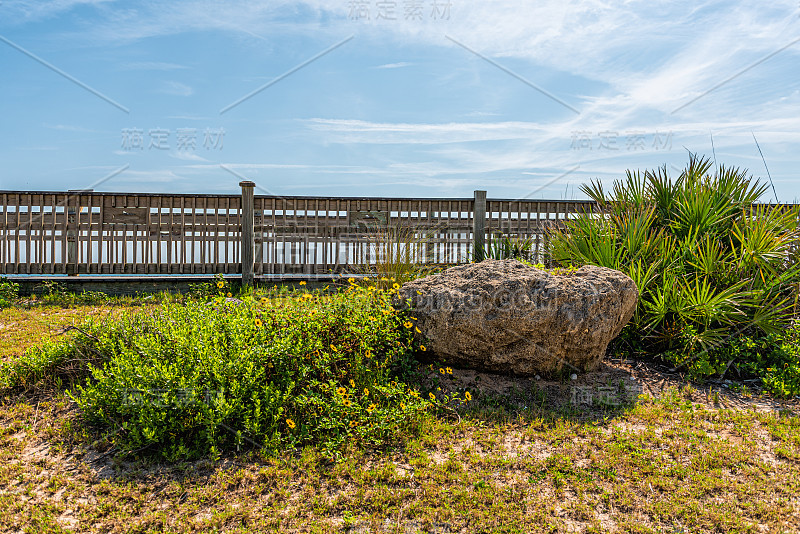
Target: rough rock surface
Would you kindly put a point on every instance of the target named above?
(504, 316)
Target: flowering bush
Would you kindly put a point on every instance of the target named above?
(269, 371)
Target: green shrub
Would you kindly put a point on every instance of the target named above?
(711, 265)
(9, 292)
(773, 357)
(510, 246)
(284, 370)
(399, 253)
(217, 286)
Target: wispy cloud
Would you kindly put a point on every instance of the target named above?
(152, 65)
(394, 65)
(176, 89)
(70, 128)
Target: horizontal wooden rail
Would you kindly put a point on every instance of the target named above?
(77, 232)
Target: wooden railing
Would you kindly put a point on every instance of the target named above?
(81, 232)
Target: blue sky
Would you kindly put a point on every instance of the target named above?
(392, 98)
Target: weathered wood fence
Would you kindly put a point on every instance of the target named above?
(79, 232)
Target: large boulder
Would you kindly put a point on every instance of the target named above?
(504, 316)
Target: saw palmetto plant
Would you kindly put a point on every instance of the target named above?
(711, 264)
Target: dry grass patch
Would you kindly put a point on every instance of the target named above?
(669, 464)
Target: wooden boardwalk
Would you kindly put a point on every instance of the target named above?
(86, 232)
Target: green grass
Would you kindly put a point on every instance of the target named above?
(514, 463)
(662, 466)
(278, 370)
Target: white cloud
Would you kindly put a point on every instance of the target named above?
(394, 65)
(176, 89)
(152, 65)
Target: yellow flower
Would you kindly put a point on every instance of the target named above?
(351, 280)
(414, 393)
(432, 396)
(371, 408)
(257, 322)
(229, 294)
(263, 300)
(408, 324)
(449, 370)
(402, 406)
(422, 348)
(418, 330)
(414, 319)
(353, 423)
(468, 396)
(393, 279)
(347, 402)
(334, 349)
(290, 423)
(352, 383)
(341, 391)
(368, 354)
(220, 284)
(366, 392)
(441, 370)
(419, 292)
(395, 286)
(303, 283)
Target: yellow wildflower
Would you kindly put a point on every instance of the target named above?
(303, 283)
(422, 348)
(347, 402)
(441, 370)
(418, 330)
(366, 392)
(432, 396)
(414, 393)
(257, 322)
(351, 280)
(402, 406)
(220, 284)
(468, 396)
(408, 324)
(229, 294)
(334, 349)
(449, 370)
(290, 423)
(352, 383)
(353, 423)
(395, 286)
(341, 391)
(371, 408)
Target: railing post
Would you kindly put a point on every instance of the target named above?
(248, 235)
(479, 225)
(73, 228)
